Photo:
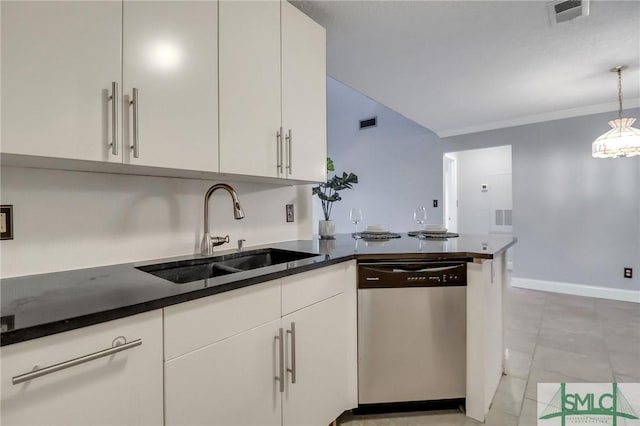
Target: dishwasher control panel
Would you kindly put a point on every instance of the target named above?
(412, 274)
(436, 278)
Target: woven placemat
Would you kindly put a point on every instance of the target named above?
(376, 235)
(430, 235)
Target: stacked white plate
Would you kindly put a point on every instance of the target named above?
(377, 232)
(376, 229)
(434, 229)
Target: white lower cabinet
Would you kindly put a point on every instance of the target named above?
(320, 389)
(297, 369)
(111, 388)
(277, 353)
(485, 346)
(231, 382)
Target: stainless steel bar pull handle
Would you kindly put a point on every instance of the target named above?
(289, 139)
(117, 347)
(279, 149)
(280, 376)
(292, 370)
(114, 98)
(136, 124)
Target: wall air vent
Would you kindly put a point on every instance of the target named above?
(567, 10)
(369, 122)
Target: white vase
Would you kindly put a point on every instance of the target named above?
(327, 229)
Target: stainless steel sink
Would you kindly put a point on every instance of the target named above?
(261, 258)
(186, 271)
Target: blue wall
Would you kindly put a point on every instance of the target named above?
(577, 218)
(398, 163)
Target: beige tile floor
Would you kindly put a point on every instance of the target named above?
(550, 338)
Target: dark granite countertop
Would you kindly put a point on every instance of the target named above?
(40, 305)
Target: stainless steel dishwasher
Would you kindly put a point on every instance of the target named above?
(411, 331)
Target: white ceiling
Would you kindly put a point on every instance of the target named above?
(465, 66)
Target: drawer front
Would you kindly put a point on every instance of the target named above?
(193, 325)
(123, 388)
(305, 289)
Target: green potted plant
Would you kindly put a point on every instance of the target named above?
(329, 193)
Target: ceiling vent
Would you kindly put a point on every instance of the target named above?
(567, 10)
(369, 122)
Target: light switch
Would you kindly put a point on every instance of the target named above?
(6, 222)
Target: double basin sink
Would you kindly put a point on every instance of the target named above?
(186, 271)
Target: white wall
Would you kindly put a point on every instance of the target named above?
(398, 163)
(476, 208)
(68, 220)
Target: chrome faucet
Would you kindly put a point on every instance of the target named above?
(209, 242)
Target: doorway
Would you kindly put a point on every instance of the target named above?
(450, 191)
(477, 191)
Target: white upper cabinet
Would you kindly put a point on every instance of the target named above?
(272, 91)
(250, 115)
(59, 60)
(62, 59)
(234, 87)
(304, 95)
(170, 56)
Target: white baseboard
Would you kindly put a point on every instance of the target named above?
(577, 289)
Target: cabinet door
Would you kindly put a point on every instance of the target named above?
(228, 383)
(59, 60)
(250, 95)
(170, 56)
(321, 363)
(124, 388)
(304, 95)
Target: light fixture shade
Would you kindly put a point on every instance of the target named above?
(621, 141)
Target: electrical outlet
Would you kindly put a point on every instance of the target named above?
(7, 323)
(3, 222)
(628, 272)
(289, 212)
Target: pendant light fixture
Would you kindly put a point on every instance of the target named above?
(622, 140)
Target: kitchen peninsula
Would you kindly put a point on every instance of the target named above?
(49, 306)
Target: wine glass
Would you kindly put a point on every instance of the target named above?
(420, 216)
(356, 217)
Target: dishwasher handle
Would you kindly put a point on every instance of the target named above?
(400, 269)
